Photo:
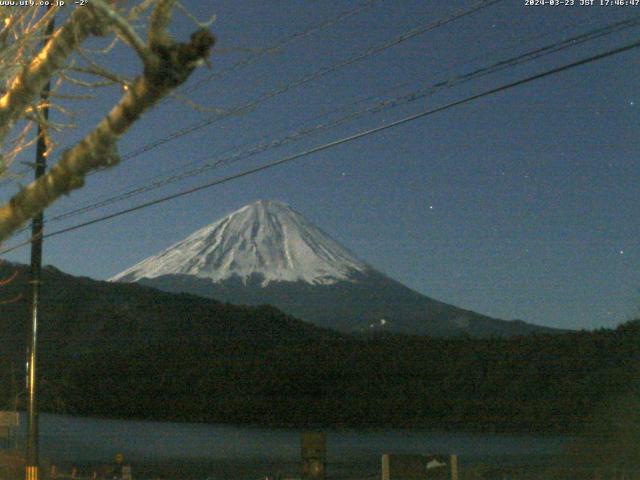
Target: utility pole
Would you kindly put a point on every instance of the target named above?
(32, 454)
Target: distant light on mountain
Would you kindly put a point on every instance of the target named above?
(267, 253)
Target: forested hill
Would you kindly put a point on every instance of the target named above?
(543, 384)
(134, 352)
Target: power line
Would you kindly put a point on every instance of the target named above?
(252, 104)
(378, 107)
(278, 46)
(573, 41)
(338, 142)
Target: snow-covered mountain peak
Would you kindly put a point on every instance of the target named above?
(266, 238)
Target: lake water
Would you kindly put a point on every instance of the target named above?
(69, 439)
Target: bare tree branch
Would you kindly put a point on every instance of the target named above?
(51, 58)
(158, 23)
(123, 28)
(170, 65)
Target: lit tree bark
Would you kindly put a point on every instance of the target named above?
(167, 64)
(28, 84)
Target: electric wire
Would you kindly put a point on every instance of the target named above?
(244, 108)
(335, 143)
(376, 108)
(394, 88)
(278, 46)
(252, 104)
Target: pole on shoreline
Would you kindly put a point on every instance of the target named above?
(32, 453)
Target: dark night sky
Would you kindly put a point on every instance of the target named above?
(523, 204)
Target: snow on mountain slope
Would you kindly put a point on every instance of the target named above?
(266, 238)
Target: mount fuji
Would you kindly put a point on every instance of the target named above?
(267, 253)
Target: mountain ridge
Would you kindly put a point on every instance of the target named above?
(373, 303)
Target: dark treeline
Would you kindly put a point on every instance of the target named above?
(543, 384)
(133, 352)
